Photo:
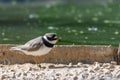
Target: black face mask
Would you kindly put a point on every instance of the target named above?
(51, 38)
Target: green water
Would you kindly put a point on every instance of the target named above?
(74, 24)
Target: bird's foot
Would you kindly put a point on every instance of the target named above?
(39, 65)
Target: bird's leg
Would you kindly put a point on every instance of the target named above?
(39, 65)
(35, 59)
(38, 62)
(6, 62)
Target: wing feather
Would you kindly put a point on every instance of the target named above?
(32, 45)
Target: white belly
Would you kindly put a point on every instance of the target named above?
(41, 51)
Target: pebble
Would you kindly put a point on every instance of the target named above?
(83, 72)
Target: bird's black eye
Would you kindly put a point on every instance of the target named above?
(54, 36)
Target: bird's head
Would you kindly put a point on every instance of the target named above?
(51, 37)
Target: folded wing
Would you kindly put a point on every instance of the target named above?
(31, 45)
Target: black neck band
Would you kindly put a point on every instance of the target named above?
(47, 43)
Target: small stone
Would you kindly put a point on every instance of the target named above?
(96, 69)
(95, 63)
(19, 74)
(44, 67)
(12, 70)
(4, 77)
(71, 74)
(51, 66)
(58, 74)
(85, 75)
(75, 78)
(92, 78)
(112, 66)
(79, 64)
(113, 62)
(101, 79)
(105, 65)
(70, 65)
(25, 74)
(92, 71)
(118, 76)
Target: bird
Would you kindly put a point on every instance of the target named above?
(38, 46)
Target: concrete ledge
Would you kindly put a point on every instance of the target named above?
(61, 54)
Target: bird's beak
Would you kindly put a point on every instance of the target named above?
(58, 39)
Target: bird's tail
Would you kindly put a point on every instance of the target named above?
(15, 48)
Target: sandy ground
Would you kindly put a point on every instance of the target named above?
(96, 71)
